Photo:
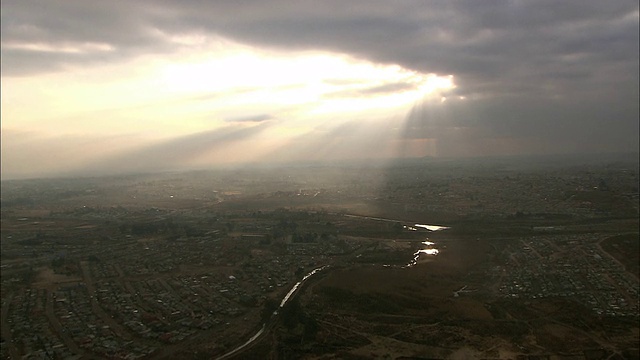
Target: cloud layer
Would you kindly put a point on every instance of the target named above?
(531, 76)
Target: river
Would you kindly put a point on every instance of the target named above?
(429, 251)
(412, 228)
(266, 325)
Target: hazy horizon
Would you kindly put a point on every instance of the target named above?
(385, 166)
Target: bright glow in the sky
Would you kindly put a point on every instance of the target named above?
(210, 85)
(198, 90)
(308, 83)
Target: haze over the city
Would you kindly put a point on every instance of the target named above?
(109, 87)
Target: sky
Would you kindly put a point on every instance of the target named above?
(100, 87)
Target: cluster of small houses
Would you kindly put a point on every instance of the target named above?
(581, 272)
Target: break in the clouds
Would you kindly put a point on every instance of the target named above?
(440, 78)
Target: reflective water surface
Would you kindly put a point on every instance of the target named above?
(431, 227)
(427, 251)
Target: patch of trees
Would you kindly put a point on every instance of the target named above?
(295, 319)
(167, 227)
(304, 238)
(270, 305)
(384, 256)
(62, 264)
(31, 242)
(521, 215)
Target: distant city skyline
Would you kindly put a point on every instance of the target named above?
(110, 87)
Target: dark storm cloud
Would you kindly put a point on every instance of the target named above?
(566, 68)
(479, 39)
(538, 124)
(58, 24)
